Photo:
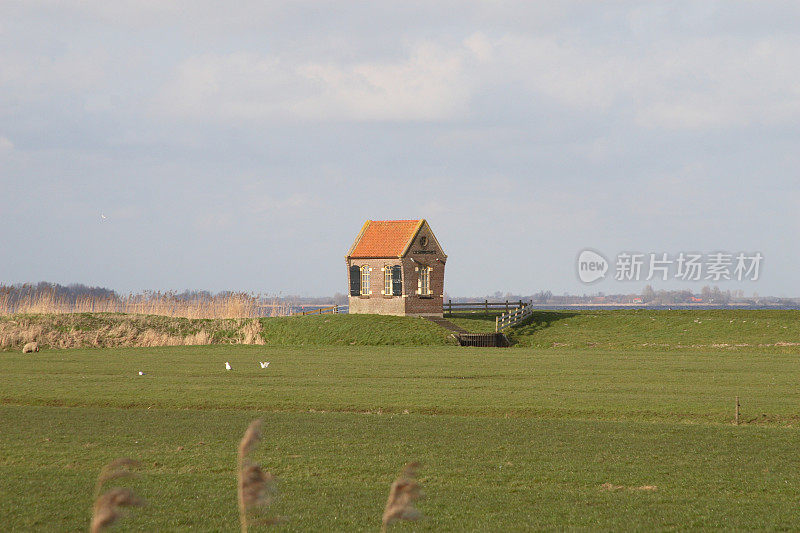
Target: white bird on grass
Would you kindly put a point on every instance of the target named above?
(141, 373)
(265, 364)
(227, 366)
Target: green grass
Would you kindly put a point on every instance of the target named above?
(691, 385)
(475, 322)
(510, 439)
(642, 328)
(361, 330)
(484, 474)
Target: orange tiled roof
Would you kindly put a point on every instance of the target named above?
(384, 238)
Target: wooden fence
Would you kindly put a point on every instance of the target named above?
(449, 306)
(320, 311)
(506, 320)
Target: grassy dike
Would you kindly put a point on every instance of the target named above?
(111, 330)
(629, 329)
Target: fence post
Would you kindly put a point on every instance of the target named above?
(449, 307)
(486, 306)
(496, 324)
(506, 306)
(520, 304)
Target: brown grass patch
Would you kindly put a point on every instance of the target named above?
(611, 487)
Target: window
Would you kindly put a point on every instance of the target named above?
(397, 280)
(355, 280)
(364, 280)
(392, 280)
(387, 280)
(424, 281)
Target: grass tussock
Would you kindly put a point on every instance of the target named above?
(30, 347)
(256, 487)
(109, 506)
(251, 333)
(405, 490)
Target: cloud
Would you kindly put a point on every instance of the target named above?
(429, 83)
(27, 78)
(697, 83)
(5, 144)
(703, 82)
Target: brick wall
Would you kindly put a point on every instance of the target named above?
(429, 255)
(376, 303)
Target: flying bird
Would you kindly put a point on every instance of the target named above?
(102, 216)
(265, 364)
(227, 366)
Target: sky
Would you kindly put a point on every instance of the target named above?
(241, 145)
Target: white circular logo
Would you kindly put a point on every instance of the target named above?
(591, 266)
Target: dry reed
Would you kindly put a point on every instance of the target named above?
(403, 493)
(30, 300)
(256, 488)
(118, 330)
(108, 506)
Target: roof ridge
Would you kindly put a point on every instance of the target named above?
(420, 225)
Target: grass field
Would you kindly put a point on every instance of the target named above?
(601, 434)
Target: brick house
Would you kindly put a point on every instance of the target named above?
(396, 267)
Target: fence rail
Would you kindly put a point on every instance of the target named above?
(485, 306)
(331, 309)
(511, 318)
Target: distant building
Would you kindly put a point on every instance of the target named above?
(396, 267)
